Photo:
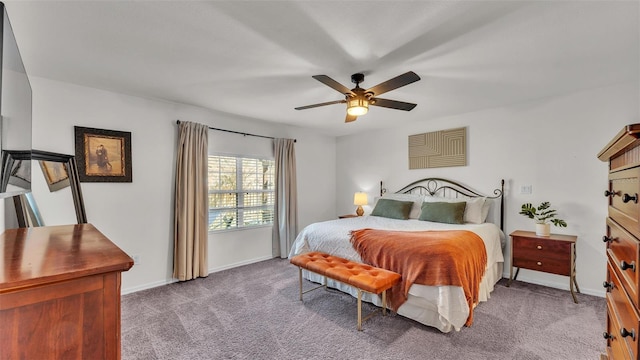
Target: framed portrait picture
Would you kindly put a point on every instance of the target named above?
(103, 155)
(55, 174)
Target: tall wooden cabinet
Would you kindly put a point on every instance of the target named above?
(623, 247)
(60, 293)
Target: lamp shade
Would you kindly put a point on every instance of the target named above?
(360, 198)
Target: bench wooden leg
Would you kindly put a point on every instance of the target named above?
(384, 303)
(300, 280)
(359, 309)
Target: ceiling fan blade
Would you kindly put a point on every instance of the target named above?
(350, 118)
(333, 84)
(391, 84)
(321, 104)
(393, 104)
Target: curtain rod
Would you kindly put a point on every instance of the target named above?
(241, 133)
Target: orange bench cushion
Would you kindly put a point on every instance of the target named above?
(365, 277)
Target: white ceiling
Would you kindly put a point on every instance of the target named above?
(256, 58)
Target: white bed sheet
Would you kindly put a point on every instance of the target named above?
(442, 307)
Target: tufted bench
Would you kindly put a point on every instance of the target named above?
(361, 276)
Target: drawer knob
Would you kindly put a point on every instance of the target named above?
(607, 336)
(624, 333)
(610, 193)
(626, 198)
(625, 265)
(539, 247)
(607, 239)
(607, 285)
(539, 263)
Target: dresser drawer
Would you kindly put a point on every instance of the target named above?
(550, 256)
(624, 206)
(620, 306)
(616, 347)
(623, 251)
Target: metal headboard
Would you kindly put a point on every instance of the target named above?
(450, 189)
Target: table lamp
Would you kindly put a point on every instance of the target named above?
(360, 199)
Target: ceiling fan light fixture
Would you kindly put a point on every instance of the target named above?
(357, 106)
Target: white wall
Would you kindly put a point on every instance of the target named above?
(138, 216)
(549, 143)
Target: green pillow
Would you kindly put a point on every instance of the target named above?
(393, 209)
(443, 212)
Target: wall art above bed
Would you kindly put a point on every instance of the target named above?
(436, 149)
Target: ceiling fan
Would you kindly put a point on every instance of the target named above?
(359, 99)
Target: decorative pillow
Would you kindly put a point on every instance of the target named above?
(393, 209)
(415, 198)
(443, 212)
(485, 209)
(473, 212)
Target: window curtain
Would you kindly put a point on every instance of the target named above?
(191, 194)
(285, 218)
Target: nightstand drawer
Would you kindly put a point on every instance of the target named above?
(620, 306)
(551, 266)
(541, 249)
(624, 206)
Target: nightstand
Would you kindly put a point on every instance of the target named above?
(555, 254)
(347, 216)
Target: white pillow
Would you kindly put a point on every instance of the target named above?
(485, 209)
(473, 212)
(416, 198)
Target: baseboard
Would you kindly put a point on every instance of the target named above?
(171, 281)
(148, 286)
(241, 263)
(557, 285)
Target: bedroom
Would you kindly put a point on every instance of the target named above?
(564, 98)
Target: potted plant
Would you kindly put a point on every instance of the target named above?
(544, 216)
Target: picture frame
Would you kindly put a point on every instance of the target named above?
(103, 155)
(55, 174)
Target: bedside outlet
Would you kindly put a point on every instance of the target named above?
(136, 259)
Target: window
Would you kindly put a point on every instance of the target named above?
(241, 192)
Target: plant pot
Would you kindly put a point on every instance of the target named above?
(543, 229)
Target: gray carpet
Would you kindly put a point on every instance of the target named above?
(253, 312)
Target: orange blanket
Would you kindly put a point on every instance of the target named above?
(454, 257)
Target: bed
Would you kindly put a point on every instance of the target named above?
(443, 307)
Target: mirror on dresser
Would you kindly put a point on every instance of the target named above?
(15, 126)
(26, 199)
(16, 114)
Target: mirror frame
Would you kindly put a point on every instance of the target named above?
(26, 209)
(9, 157)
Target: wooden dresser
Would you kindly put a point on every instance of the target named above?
(60, 293)
(623, 247)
